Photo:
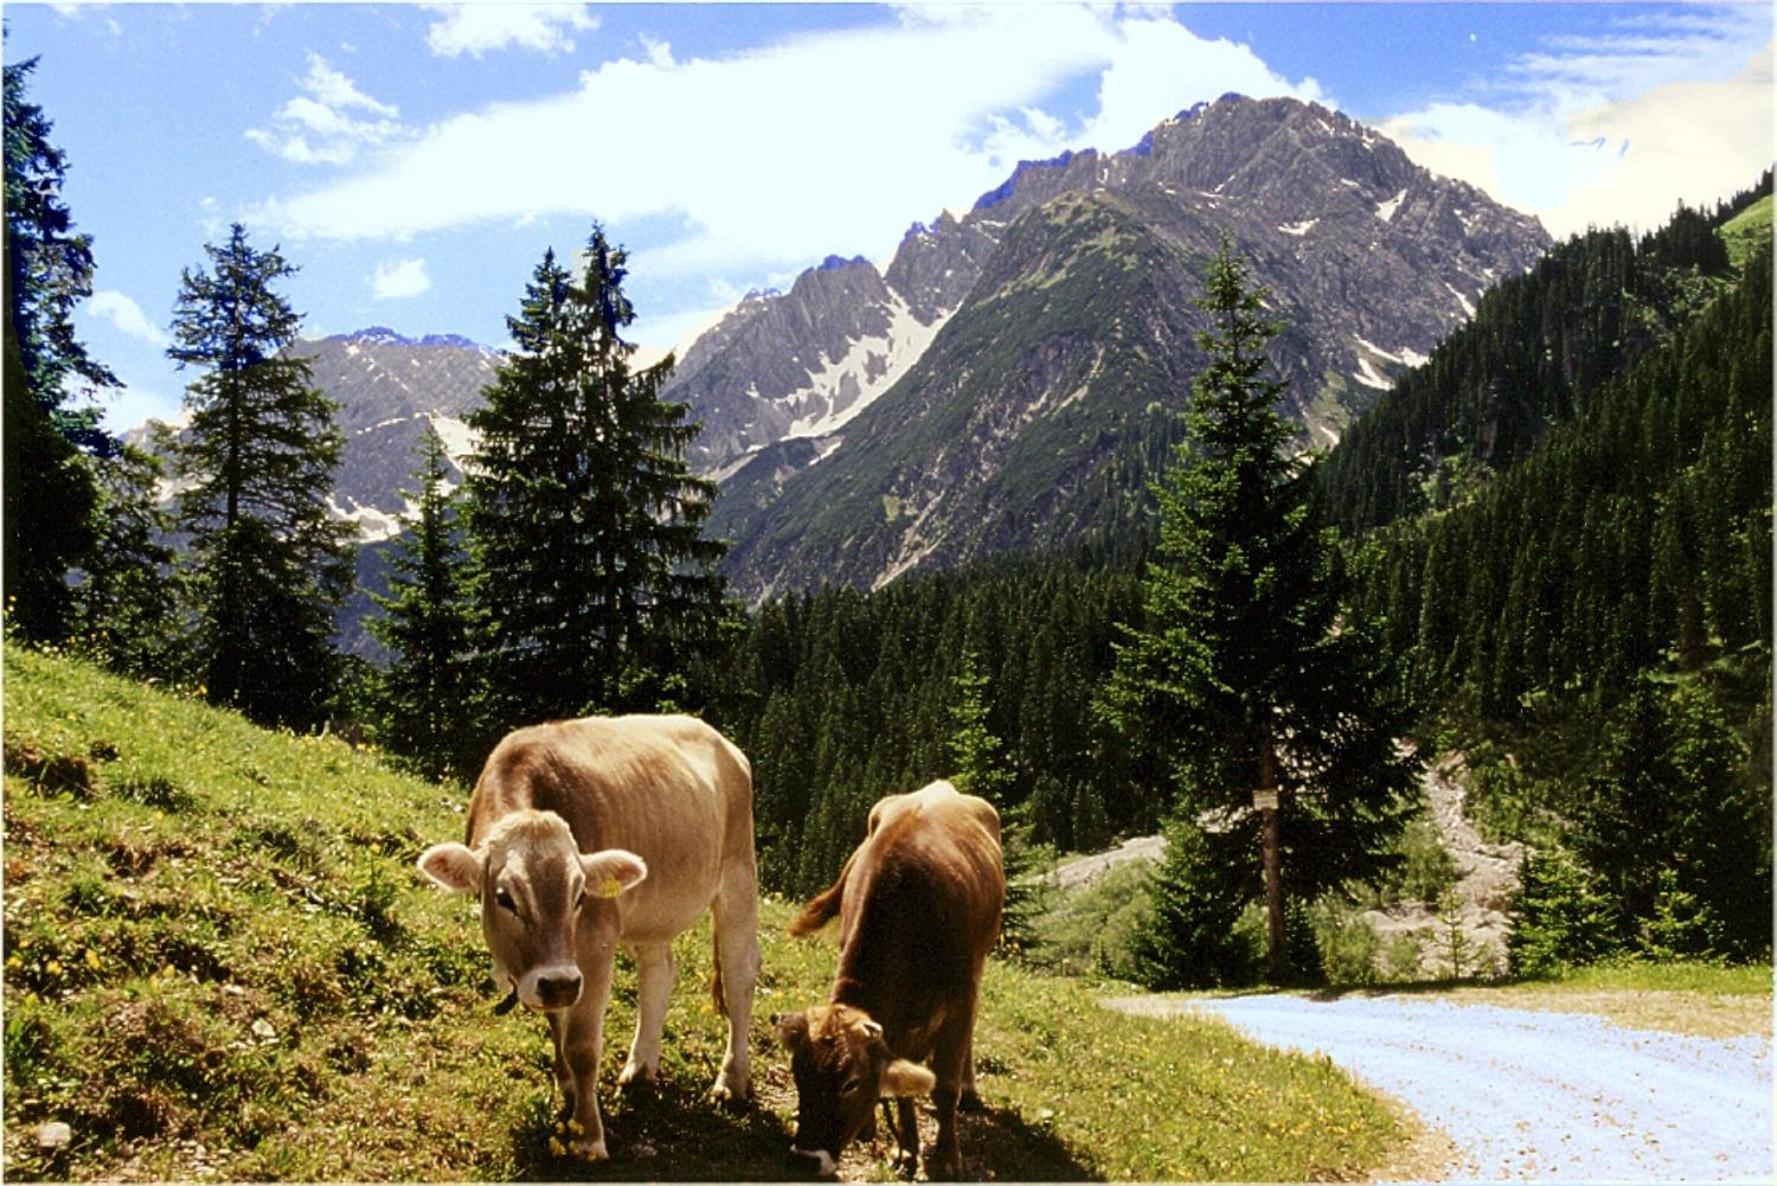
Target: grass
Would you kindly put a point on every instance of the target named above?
(220, 963)
(1708, 1000)
(1744, 232)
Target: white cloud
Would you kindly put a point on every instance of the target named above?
(317, 127)
(402, 278)
(822, 143)
(1614, 128)
(127, 316)
(476, 29)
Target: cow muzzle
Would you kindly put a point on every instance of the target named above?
(818, 1161)
(551, 988)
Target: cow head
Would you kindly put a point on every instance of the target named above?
(534, 885)
(842, 1067)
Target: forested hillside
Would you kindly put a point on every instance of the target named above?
(840, 696)
(1617, 533)
(1538, 347)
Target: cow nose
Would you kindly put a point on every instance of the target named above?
(815, 1161)
(559, 990)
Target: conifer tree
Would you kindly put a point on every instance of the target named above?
(981, 770)
(426, 622)
(268, 563)
(50, 492)
(127, 604)
(585, 523)
(1243, 675)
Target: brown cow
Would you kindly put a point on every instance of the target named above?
(586, 834)
(919, 905)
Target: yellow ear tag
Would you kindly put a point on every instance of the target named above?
(611, 888)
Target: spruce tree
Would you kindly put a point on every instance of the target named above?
(1244, 676)
(585, 522)
(981, 769)
(426, 622)
(127, 602)
(269, 564)
(50, 492)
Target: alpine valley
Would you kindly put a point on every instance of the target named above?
(1015, 376)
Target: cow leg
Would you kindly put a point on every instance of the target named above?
(563, 1079)
(906, 1136)
(950, 1053)
(736, 919)
(970, 1100)
(583, 1032)
(655, 970)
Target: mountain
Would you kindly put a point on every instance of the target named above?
(1059, 338)
(388, 388)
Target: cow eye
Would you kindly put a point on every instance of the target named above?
(504, 899)
(850, 1086)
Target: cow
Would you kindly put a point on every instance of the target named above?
(588, 834)
(919, 905)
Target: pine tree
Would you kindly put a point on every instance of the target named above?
(1243, 674)
(426, 622)
(585, 522)
(50, 492)
(127, 604)
(268, 563)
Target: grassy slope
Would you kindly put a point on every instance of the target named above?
(219, 962)
(1747, 229)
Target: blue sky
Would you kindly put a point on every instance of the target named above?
(415, 160)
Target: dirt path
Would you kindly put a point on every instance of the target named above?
(1534, 1095)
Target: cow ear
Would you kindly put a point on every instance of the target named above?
(901, 1077)
(611, 872)
(792, 1030)
(452, 866)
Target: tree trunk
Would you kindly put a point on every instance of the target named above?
(1274, 944)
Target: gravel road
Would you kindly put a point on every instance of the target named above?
(1532, 1095)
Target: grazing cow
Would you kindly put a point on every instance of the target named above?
(919, 905)
(586, 834)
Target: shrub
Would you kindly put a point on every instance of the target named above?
(1350, 949)
(1192, 939)
(1560, 914)
(1095, 930)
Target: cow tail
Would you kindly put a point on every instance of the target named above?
(716, 978)
(821, 909)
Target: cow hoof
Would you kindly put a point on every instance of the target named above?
(970, 1102)
(906, 1164)
(635, 1076)
(729, 1093)
(589, 1150)
(944, 1171)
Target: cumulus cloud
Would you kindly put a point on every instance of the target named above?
(1614, 128)
(127, 316)
(771, 157)
(476, 29)
(321, 125)
(400, 278)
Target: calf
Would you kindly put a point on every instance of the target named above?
(919, 905)
(583, 835)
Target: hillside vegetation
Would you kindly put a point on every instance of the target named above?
(219, 963)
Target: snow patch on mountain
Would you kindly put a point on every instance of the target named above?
(1385, 210)
(374, 525)
(1468, 309)
(1366, 374)
(843, 387)
(1299, 228)
(458, 437)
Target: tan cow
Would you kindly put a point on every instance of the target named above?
(919, 905)
(583, 835)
